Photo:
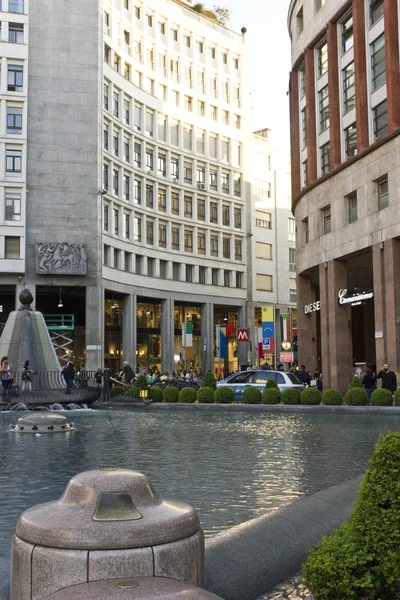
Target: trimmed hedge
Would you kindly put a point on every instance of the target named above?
(224, 395)
(362, 558)
(170, 394)
(271, 383)
(209, 381)
(252, 395)
(271, 395)
(332, 397)
(381, 397)
(141, 382)
(291, 396)
(156, 394)
(117, 391)
(397, 397)
(310, 396)
(133, 392)
(354, 383)
(356, 397)
(187, 395)
(205, 395)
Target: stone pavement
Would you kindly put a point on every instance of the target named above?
(291, 589)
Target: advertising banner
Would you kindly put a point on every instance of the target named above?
(286, 357)
(268, 329)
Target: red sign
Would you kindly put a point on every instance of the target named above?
(286, 357)
(242, 335)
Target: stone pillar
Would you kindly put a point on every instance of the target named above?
(167, 335)
(334, 95)
(392, 63)
(94, 331)
(360, 71)
(306, 323)
(311, 131)
(335, 331)
(207, 336)
(295, 132)
(128, 329)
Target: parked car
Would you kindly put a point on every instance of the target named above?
(240, 381)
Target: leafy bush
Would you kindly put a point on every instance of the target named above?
(310, 396)
(291, 396)
(156, 394)
(187, 395)
(208, 381)
(141, 382)
(117, 391)
(381, 397)
(271, 383)
(205, 395)
(170, 394)
(271, 395)
(332, 397)
(397, 397)
(252, 395)
(133, 392)
(354, 383)
(362, 558)
(356, 397)
(224, 395)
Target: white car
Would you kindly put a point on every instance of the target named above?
(258, 378)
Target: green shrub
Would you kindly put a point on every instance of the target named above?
(141, 382)
(224, 395)
(361, 560)
(356, 397)
(381, 397)
(208, 381)
(117, 391)
(354, 383)
(271, 395)
(133, 392)
(156, 394)
(187, 395)
(271, 383)
(332, 397)
(397, 397)
(205, 395)
(170, 394)
(291, 396)
(310, 396)
(252, 395)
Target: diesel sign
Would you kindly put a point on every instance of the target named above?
(313, 307)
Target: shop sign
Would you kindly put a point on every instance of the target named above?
(286, 357)
(313, 307)
(242, 335)
(353, 298)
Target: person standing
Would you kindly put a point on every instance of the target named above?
(127, 372)
(369, 383)
(303, 375)
(7, 376)
(27, 375)
(68, 373)
(389, 379)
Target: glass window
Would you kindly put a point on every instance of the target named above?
(325, 151)
(380, 120)
(13, 162)
(263, 251)
(215, 276)
(149, 195)
(188, 240)
(15, 78)
(127, 180)
(350, 138)
(127, 226)
(226, 247)
(137, 191)
(238, 250)
(174, 167)
(225, 182)
(174, 132)
(263, 220)
(378, 63)
(327, 220)
(175, 241)
(137, 155)
(383, 193)
(323, 109)
(291, 230)
(214, 246)
(304, 128)
(202, 275)
(105, 217)
(162, 200)
(213, 212)
(323, 59)
(162, 235)
(116, 221)
(237, 218)
(12, 248)
(213, 179)
(264, 282)
(201, 242)
(137, 235)
(292, 259)
(149, 232)
(226, 220)
(16, 33)
(347, 35)
(375, 10)
(300, 21)
(200, 141)
(227, 278)
(302, 75)
(14, 119)
(188, 103)
(188, 206)
(189, 273)
(201, 209)
(162, 165)
(349, 90)
(16, 6)
(319, 4)
(13, 206)
(188, 172)
(353, 214)
(187, 137)
(175, 203)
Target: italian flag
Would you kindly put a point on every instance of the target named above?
(187, 339)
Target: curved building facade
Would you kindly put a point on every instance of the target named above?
(345, 147)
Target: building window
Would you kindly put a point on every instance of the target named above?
(161, 28)
(174, 167)
(215, 276)
(188, 239)
(149, 232)
(213, 179)
(304, 128)
(12, 247)
(291, 230)
(327, 220)
(137, 191)
(383, 193)
(174, 35)
(305, 174)
(347, 35)
(213, 212)
(175, 203)
(292, 290)
(127, 226)
(14, 119)
(127, 71)
(201, 108)
(349, 89)
(201, 209)
(15, 78)
(378, 63)
(325, 158)
(239, 283)
(162, 235)
(225, 183)
(319, 4)
(323, 59)
(126, 149)
(149, 196)
(237, 218)
(106, 91)
(189, 273)
(116, 221)
(201, 242)
(227, 279)
(199, 47)
(137, 117)
(105, 177)
(200, 141)
(187, 137)
(302, 75)
(264, 282)
(149, 20)
(214, 245)
(188, 206)
(225, 117)
(300, 21)
(226, 247)
(162, 200)
(226, 217)
(375, 10)
(175, 241)
(126, 187)
(201, 176)
(350, 138)
(162, 165)
(115, 143)
(263, 251)
(137, 234)
(188, 103)
(292, 259)
(107, 54)
(202, 275)
(116, 104)
(16, 6)
(263, 220)
(137, 155)
(380, 120)
(238, 250)
(352, 203)
(117, 63)
(16, 33)
(149, 159)
(105, 217)
(236, 121)
(306, 230)
(186, 41)
(13, 162)
(188, 172)
(13, 206)
(323, 109)
(213, 113)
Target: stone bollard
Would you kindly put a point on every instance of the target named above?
(108, 524)
(141, 588)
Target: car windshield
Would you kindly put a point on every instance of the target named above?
(240, 377)
(293, 378)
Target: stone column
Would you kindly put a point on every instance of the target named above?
(306, 323)
(334, 95)
(335, 332)
(311, 131)
(392, 63)
(94, 332)
(128, 320)
(295, 132)
(167, 335)
(360, 71)
(207, 336)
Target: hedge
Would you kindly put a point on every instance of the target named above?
(141, 382)
(271, 395)
(291, 396)
(310, 396)
(170, 394)
(354, 383)
(381, 397)
(224, 395)
(252, 395)
(133, 392)
(156, 394)
(208, 381)
(187, 395)
(356, 397)
(397, 397)
(362, 558)
(332, 397)
(117, 391)
(205, 395)
(271, 383)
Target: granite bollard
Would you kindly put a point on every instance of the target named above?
(108, 524)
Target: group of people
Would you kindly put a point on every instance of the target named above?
(388, 377)
(7, 376)
(129, 375)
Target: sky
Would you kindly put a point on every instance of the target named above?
(268, 45)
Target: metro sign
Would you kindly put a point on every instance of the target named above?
(242, 335)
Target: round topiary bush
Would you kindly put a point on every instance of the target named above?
(187, 395)
(156, 394)
(291, 396)
(224, 395)
(354, 383)
(208, 381)
(397, 397)
(271, 383)
(205, 395)
(251, 395)
(133, 392)
(141, 382)
(170, 394)
(310, 396)
(356, 397)
(271, 395)
(381, 397)
(332, 397)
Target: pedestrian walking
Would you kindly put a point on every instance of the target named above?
(127, 372)
(68, 373)
(369, 383)
(7, 376)
(27, 374)
(389, 379)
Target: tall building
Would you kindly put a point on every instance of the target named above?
(345, 119)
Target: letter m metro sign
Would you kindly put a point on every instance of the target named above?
(242, 335)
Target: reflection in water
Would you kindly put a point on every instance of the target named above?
(230, 467)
